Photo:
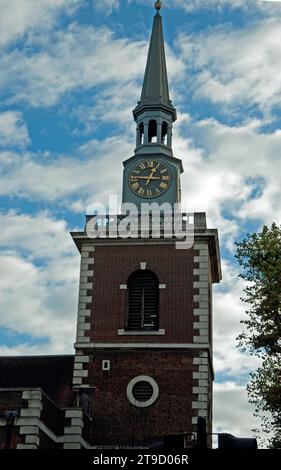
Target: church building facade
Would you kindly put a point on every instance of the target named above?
(143, 364)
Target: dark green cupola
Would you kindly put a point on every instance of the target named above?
(154, 116)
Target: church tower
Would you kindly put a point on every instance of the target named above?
(144, 332)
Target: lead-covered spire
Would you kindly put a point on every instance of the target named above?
(154, 112)
(155, 90)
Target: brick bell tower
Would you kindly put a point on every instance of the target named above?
(144, 333)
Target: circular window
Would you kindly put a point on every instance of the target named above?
(142, 391)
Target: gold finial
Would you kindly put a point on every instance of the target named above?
(158, 5)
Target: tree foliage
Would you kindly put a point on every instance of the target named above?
(260, 258)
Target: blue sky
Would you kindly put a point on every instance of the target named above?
(70, 75)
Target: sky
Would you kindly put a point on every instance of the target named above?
(70, 75)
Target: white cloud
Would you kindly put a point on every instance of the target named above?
(13, 130)
(232, 412)
(106, 6)
(38, 298)
(78, 58)
(20, 230)
(26, 16)
(217, 5)
(92, 175)
(228, 311)
(236, 68)
(232, 172)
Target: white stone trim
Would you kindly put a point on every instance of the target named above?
(200, 375)
(200, 339)
(201, 298)
(85, 299)
(142, 345)
(32, 395)
(142, 378)
(83, 339)
(87, 248)
(30, 439)
(76, 381)
(201, 325)
(200, 361)
(84, 312)
(201, 311)
(141, 333)
(30, 413)
(26, 446)
(83, 326)
(72, 437)
(200, 390)
(81, 358)
(123, 286)
(83, 323)
(199, 405)
(73, 430)
(86, 285)
(143, 265)
(162, 286)
(201, 385)
(74, 445)
(80, 373)
(87, 273)
(31, 428)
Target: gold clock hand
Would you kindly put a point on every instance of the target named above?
(147, 177)
(150, 176)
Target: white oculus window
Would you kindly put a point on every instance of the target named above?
(142, 391)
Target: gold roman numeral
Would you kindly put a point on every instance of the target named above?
(163, 185)
(135, 185)
(142, 166)
(165, 178)
(141, 191)
(150, 164)
(149, 193)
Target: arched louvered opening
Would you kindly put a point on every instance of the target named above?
(164, 133)
(152, 131)
(141, 133)
(143, 301)
(142, 391)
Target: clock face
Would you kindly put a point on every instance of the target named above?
(149, 178)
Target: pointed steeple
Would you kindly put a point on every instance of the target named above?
(154, 112)
(155, 90)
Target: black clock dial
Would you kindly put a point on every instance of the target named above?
(149, 178)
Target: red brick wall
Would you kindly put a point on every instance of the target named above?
(10, 401)
(116, 421)
(114, 264)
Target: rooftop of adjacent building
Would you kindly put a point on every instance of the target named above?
(52, 374)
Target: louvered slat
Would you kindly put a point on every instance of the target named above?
(142, 391)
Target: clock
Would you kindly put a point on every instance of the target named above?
(149, 178)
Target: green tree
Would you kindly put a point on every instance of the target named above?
(260, 258)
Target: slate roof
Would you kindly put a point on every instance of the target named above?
(53, 374)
